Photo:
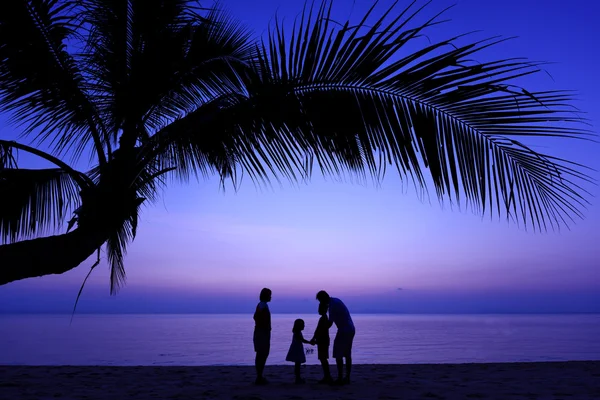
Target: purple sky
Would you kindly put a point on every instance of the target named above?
(201, 247)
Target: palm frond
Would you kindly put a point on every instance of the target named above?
(119, 211)
(8, 159)
(40, 82)
(153, 61)
(116, 247)
(201, 143)
(34, 202)
(348, 97)
(209, 57)
(7, 156)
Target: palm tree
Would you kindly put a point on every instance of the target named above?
(152, 88)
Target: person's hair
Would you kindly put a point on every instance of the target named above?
(323, 297)
(298, 325)
(265, 294)
(322, 308)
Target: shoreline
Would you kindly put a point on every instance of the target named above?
(521, 380)
(305, 365)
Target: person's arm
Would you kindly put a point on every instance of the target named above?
(262, 317)
(301, 338)
(268, 318)
(333, 315)
(325, 323)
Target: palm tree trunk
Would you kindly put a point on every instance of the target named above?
(47, 255)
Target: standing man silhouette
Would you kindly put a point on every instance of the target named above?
(342, 344)
(262, 335)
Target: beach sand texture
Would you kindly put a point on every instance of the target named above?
(548, 380)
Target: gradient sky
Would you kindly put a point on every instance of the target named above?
(379, 249)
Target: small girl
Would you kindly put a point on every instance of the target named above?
(296, 352)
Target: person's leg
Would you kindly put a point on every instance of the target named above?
(326, 372)
(257, 365)
(340, 368)
(348, 356)
(297, 370)
(338, 354)
(262, 346)
(297, 373)
(260, 362)
(348, 369)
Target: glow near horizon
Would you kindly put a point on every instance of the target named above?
(356, 240)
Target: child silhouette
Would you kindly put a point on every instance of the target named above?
(321, 338)
(296, 352)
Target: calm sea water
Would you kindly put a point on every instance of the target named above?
(227, 339)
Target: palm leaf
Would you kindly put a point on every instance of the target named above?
(153, 61)
(120, 218)
(210, 56)
(116, 247)
(7, 156)
(430, 109)
(40, 82)
(348, 99)
(203, 142)
(34, 202)
(427, 109)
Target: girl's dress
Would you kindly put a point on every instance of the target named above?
(296, 352)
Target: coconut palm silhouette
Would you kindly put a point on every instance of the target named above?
(149, 89)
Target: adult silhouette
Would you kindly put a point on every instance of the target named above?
(342, 344)
(262, 334)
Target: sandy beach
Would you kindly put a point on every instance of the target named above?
(551, 380)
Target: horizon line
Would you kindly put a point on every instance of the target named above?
(302, 313)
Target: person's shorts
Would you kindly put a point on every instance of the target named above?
(342, 344)
(262, 341)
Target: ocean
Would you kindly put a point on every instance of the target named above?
(205, 339)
